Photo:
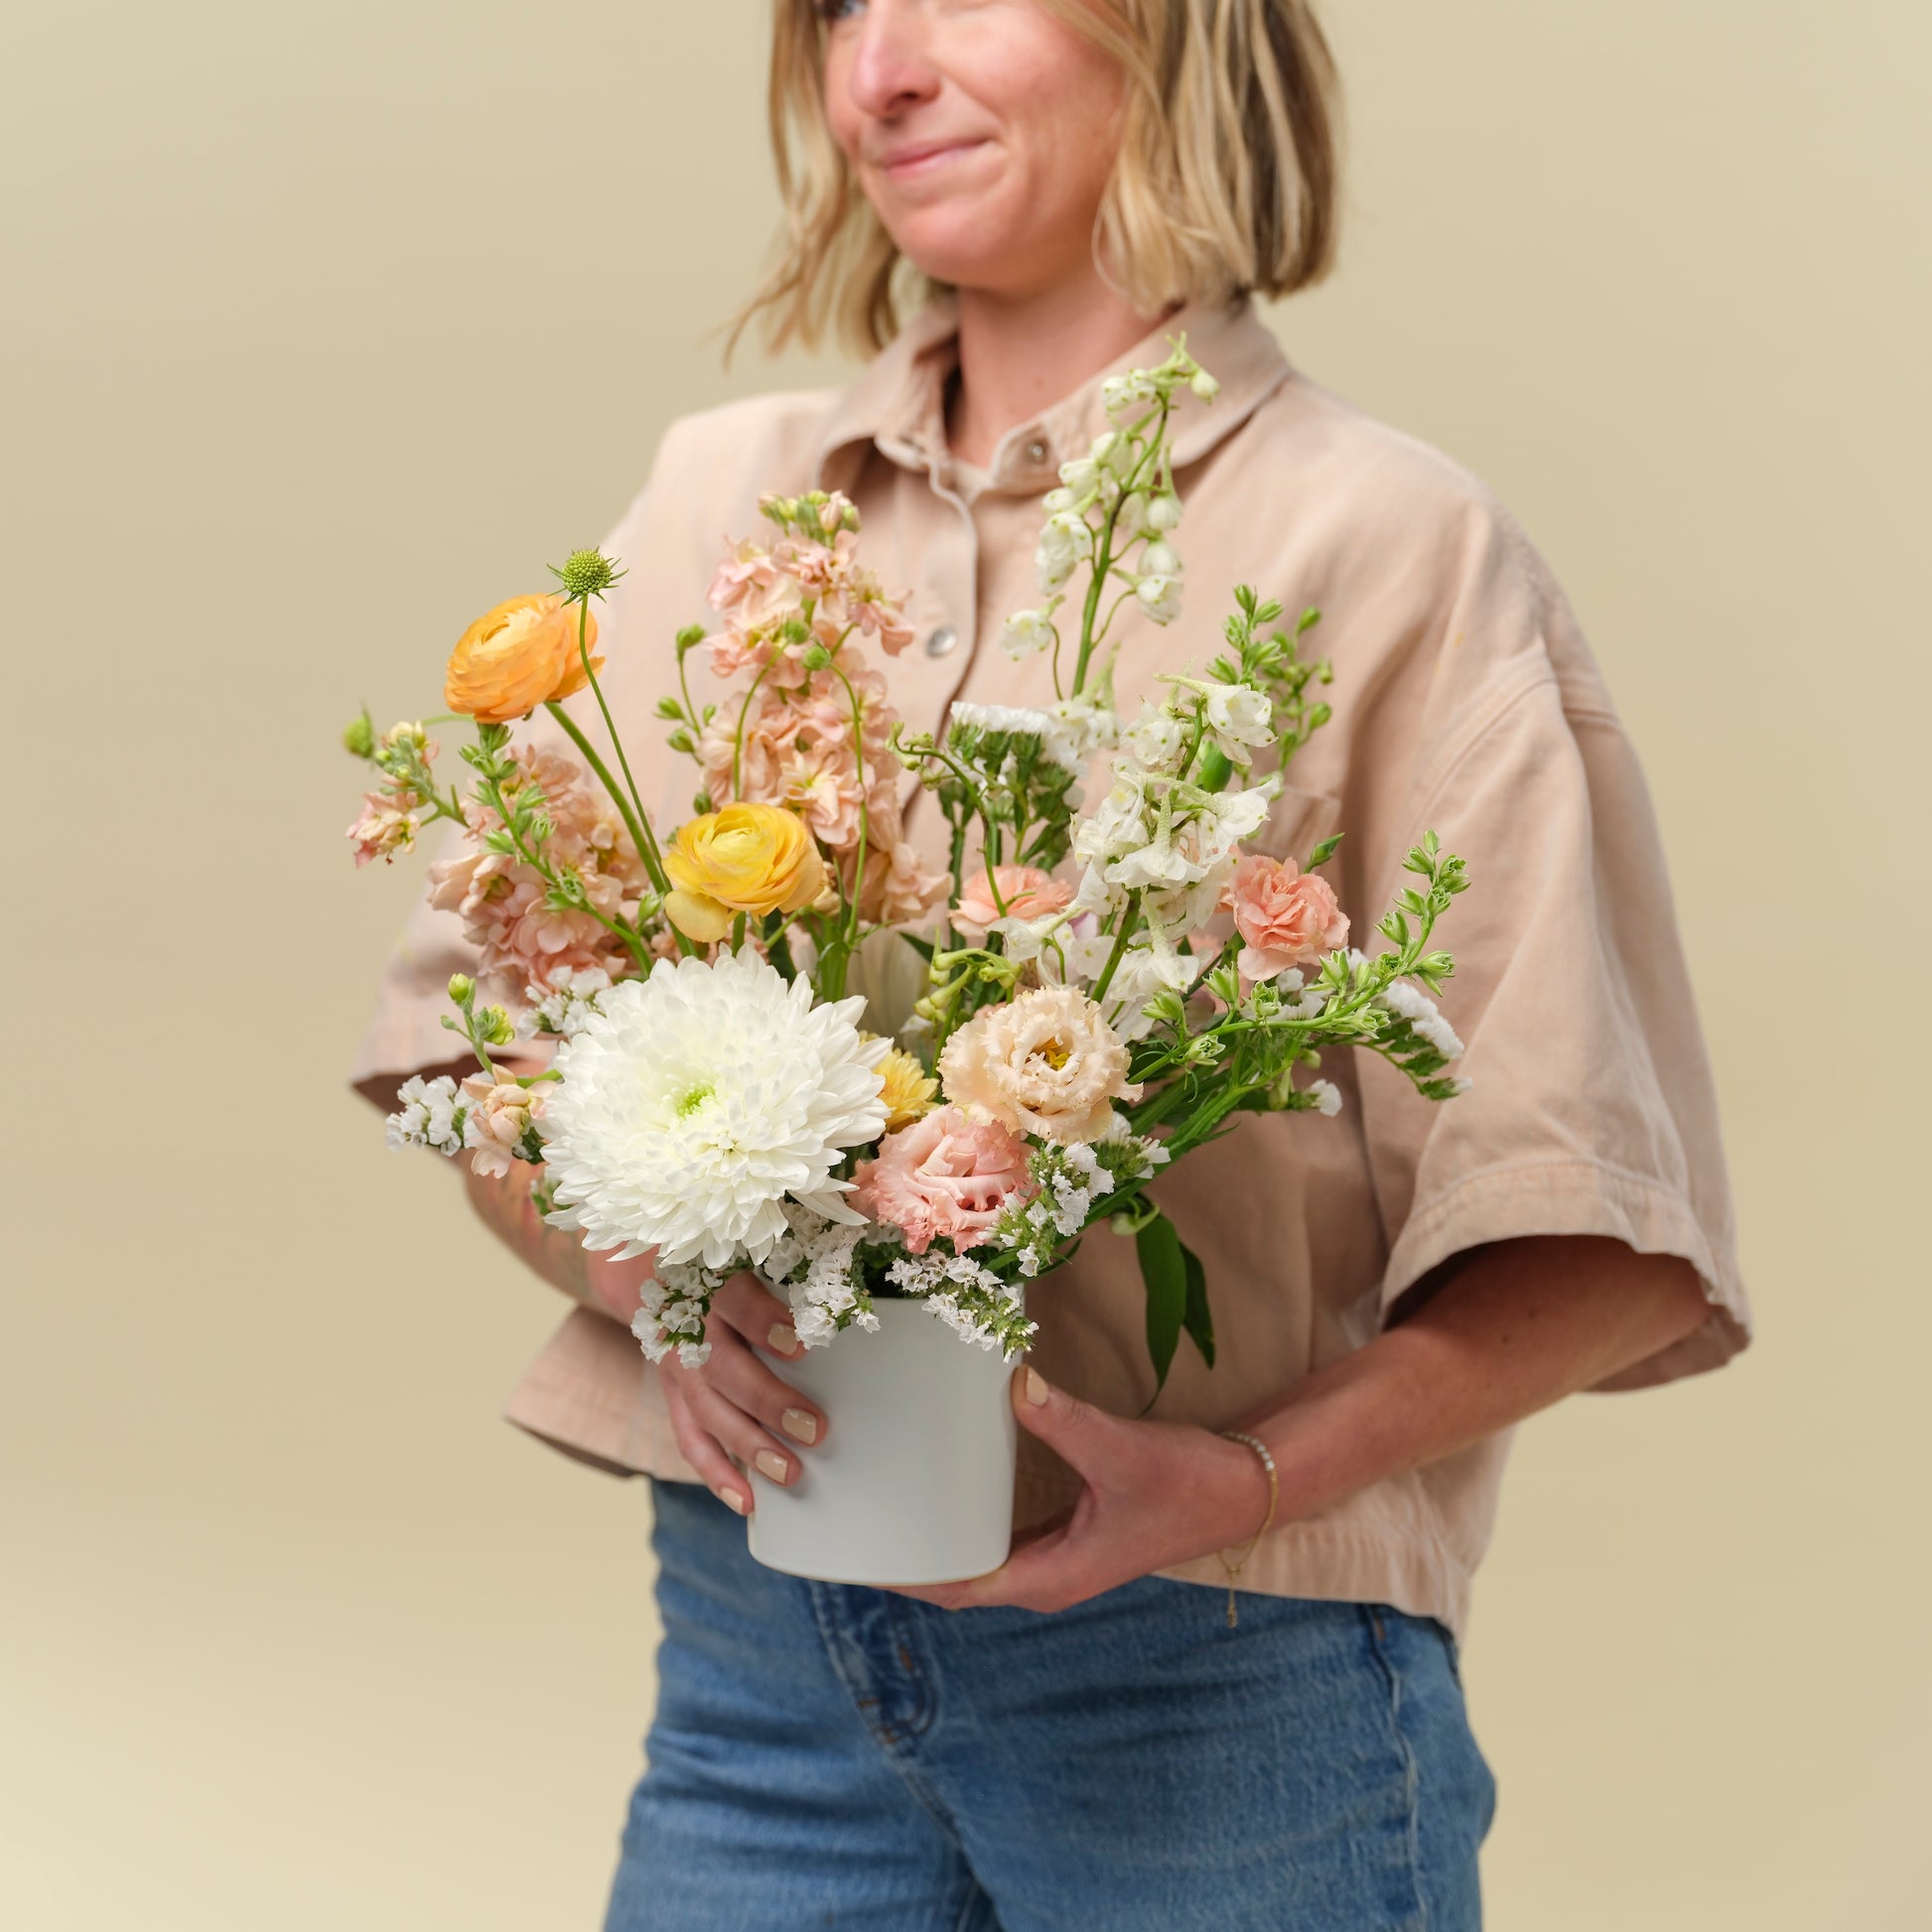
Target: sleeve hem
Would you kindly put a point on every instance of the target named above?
(1582, 1197)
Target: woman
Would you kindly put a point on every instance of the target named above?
(1394, 1289)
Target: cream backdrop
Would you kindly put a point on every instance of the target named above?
(323, 328)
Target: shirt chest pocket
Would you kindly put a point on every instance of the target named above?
(1296, 824)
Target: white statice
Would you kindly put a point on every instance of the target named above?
(1409, 1003)
(814, 1266)
(967, 1296)
(673, 1305)
(699, 1100)
(565, 1006)
(430, 1114)
(1027, 634)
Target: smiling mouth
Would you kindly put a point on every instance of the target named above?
(908, 162)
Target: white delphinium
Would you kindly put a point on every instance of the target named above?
(1083, 726)
(566, 1004)
(1065, 542)
(1159, 598)
(1409, 1003)
(1027, 634)
(430, 1115)
(1327, 1098)
(697, 1100)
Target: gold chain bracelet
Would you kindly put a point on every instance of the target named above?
(1267, 1522)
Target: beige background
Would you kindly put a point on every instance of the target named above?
(323, 327)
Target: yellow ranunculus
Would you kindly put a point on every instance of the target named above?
(517, 657)
(753, 858)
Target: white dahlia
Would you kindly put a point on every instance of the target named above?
(697, 1100)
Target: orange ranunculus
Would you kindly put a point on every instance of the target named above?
(756, 859)
(517, 657)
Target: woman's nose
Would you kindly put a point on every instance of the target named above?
(892, 68)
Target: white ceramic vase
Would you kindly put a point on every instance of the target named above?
(914, 1481)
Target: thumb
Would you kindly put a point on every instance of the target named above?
(1075, 1430)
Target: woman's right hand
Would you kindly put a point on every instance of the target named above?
(734, 1413)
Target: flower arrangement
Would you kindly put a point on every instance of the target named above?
(1106, 986)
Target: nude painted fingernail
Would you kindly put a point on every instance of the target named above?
(1036, 1389)
(771, 1463)
(800, 1425)
(783, 1339)
(730, 1500)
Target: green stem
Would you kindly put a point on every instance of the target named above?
(1128, 920)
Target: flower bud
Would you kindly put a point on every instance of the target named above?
(462, 989)
(1203, 385)
(587, 573)
(1158, 560)
(360, 739)
(690, 637)
(818, 658)
(495, 1026)
(1164, 513)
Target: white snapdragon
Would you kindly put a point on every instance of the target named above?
(431, 1114)
(1027, 634)
(1409, 1003)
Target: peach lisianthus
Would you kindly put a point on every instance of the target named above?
(747, 858)
(1046, 1063)
(520, 654)
(1285, 916)
(943, 1175)
(1025, 892)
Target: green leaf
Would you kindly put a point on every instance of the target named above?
(1200, 1319)
(1323, 852)
(1164, 1274)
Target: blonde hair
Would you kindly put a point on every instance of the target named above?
(1227, 181)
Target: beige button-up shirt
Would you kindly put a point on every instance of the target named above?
(1466, 700)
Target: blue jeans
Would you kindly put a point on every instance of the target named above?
(825, 1755)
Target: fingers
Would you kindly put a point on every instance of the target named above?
(745, 1439)
(699, 1448)
(1092, 1442)
(743, 1380)
(757, 1315)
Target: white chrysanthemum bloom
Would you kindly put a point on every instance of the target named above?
(699, 1100)
(1027, 634)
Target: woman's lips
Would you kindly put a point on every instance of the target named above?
(904, 163)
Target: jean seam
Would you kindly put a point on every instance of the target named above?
(832, 1638)
(1411, 1771)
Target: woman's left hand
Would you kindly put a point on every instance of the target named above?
(1153, 1494)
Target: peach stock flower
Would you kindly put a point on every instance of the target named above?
(1285, 916)
(753, 858)
(943, 1175)
(1047, 1064)
(497, 1126)
(1028, 892)
(519, 655)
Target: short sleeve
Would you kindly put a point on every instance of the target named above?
(1592, 1108)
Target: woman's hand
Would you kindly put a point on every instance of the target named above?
(734, 1411)
(1153, 1493)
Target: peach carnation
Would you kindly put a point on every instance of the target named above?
(1285, 916)
(1047, 1064)
(1026, 892)
(943, 1175)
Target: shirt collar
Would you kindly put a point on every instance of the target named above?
(898, 404)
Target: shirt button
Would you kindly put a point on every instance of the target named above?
(940, 641)
(1036, 451)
